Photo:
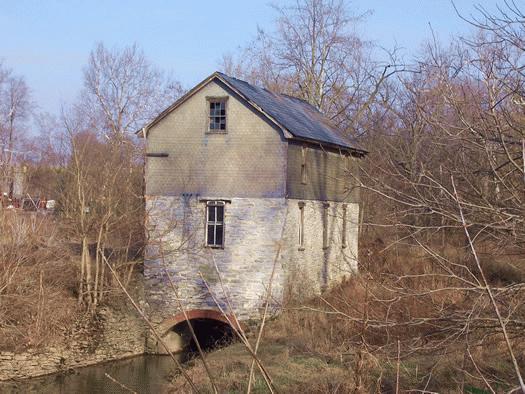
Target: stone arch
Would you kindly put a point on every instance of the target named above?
(169, 328)
(168, 323)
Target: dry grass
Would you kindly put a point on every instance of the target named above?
(291, 371)
(347, 340)
(37, 282)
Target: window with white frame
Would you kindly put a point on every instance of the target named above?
(215, 224)
(217, 114)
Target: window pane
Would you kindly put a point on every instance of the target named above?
(217, 115)
(211, 238)
(220, 213)
(218, 235)
(211, 213)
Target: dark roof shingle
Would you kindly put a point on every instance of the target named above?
(297, 116)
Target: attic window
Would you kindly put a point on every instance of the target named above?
(217, 114)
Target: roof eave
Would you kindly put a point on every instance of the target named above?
(199, 86)
(358, 151)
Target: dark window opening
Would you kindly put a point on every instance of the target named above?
(303, 166)
(325, 225)
(215, 224)
(218, 115)
(343, 242)
(301, 225)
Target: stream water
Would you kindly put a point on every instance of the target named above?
(142, 374)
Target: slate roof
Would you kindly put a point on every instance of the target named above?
(300, 118)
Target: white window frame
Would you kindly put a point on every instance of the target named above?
(224, 102)
(215, 223)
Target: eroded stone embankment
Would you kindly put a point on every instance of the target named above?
(121, 334)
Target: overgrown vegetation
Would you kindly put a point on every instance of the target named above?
(374, 333)
(36, 275)
(90, 164)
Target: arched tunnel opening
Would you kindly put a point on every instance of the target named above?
(210, 333)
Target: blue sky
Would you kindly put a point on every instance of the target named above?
(49, 42)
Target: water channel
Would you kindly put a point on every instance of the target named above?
(142, 374)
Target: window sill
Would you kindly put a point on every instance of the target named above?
(213, 247)
(209, 132)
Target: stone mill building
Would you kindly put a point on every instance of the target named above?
(246, 191)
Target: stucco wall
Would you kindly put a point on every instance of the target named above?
(247, 161)
(313, 268)
(254, 227)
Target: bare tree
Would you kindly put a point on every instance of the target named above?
(123, 90)
(14, 111)
(101, 187)
(315, 54)
(447, 175)
(100, 205)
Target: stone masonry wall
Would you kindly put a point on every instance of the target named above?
(254, 227)
(122, 335)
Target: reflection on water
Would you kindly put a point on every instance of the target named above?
(143, 374)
